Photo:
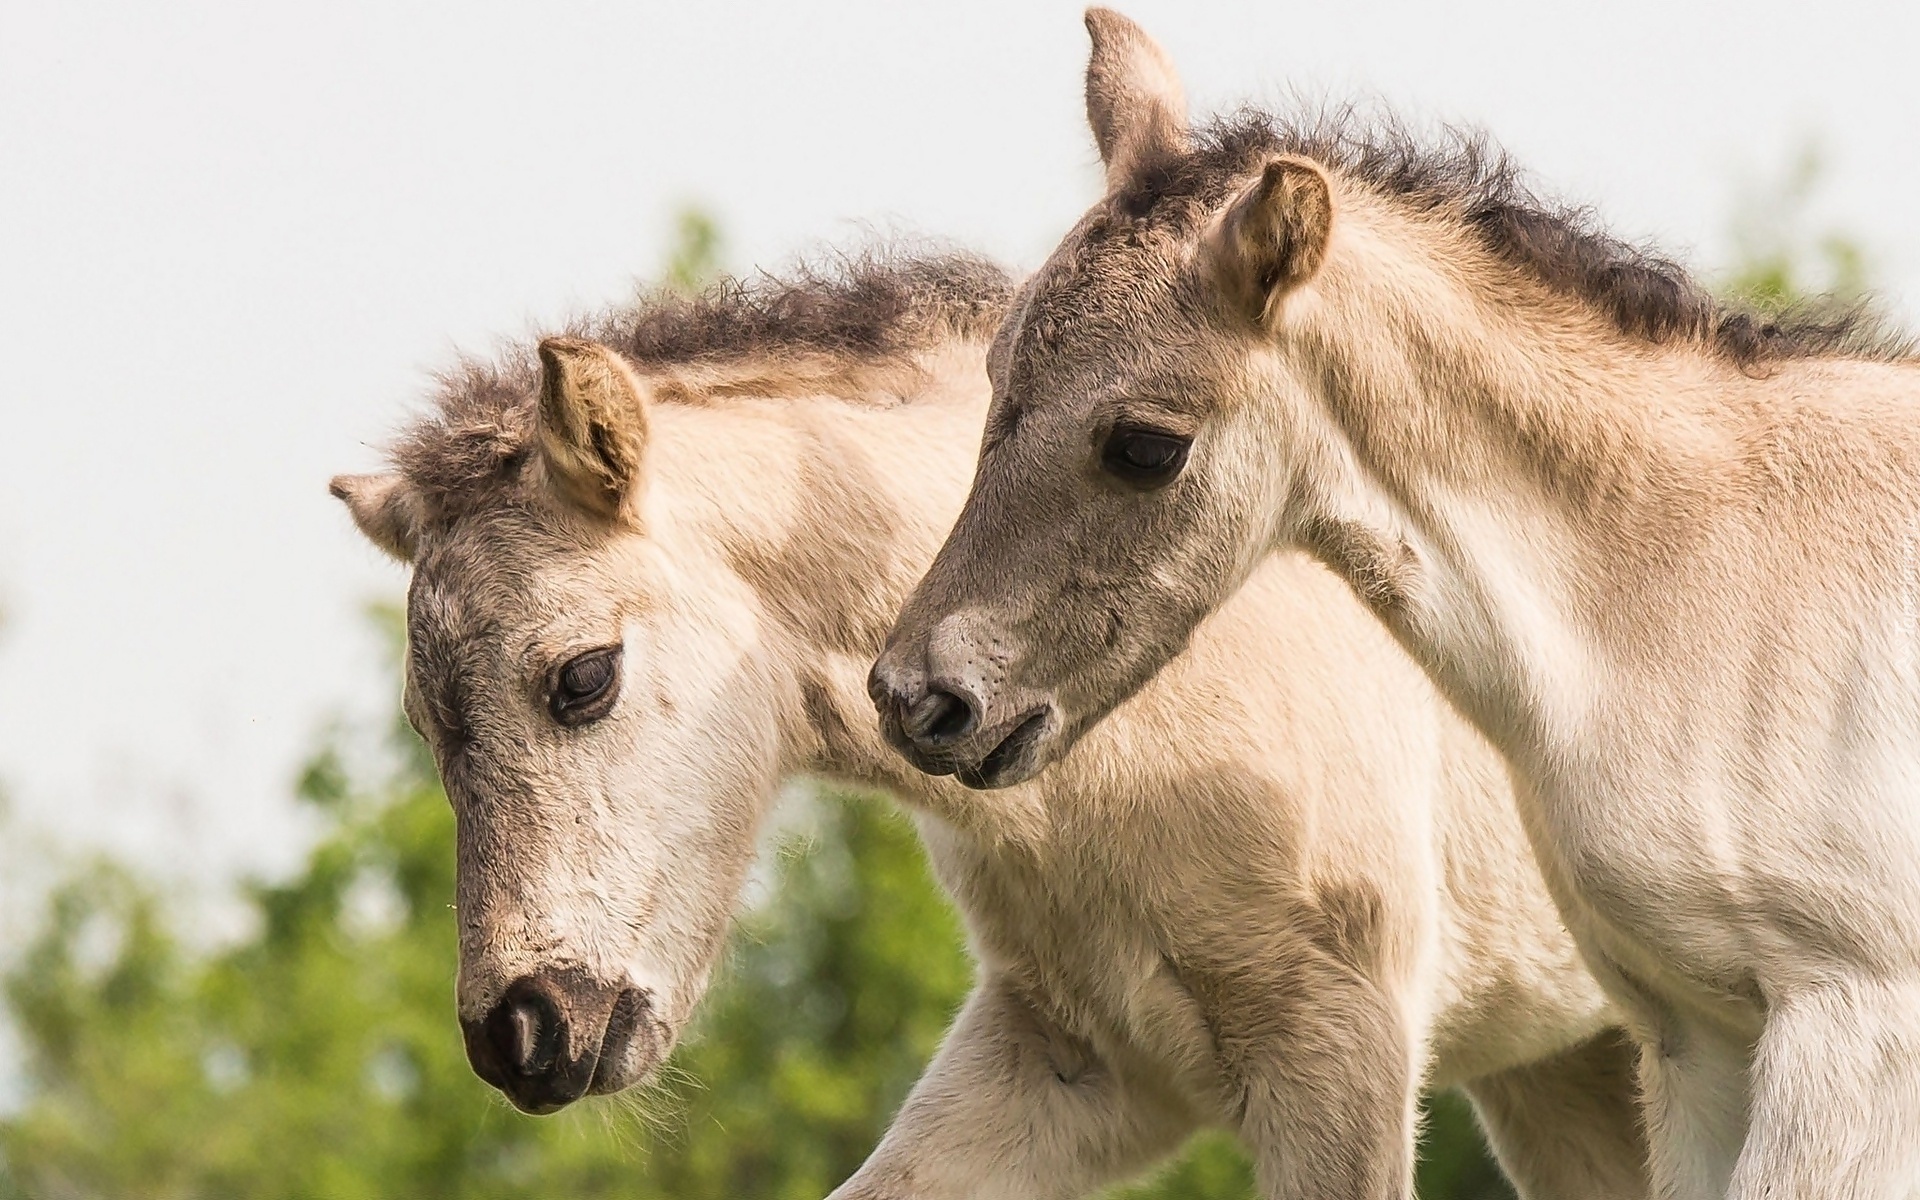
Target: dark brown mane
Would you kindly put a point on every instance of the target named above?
(1465, 173)
(861, 308)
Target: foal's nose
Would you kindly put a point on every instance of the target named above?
(940, 718)
(524, 1033)
(920, 716)
(525, 1047)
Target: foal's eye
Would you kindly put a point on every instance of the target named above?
(1144, 457)
(584, 689)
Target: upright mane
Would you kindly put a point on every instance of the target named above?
(1464, 174)
(854, 309)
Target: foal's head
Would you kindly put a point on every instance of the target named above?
(632, 590)
(1209, 366)
(1122, 488)
(592, 687)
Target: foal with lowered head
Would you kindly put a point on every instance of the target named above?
(1663, 556)
(1279, 893)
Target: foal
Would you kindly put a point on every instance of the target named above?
(1662, 555)
(1275, 893)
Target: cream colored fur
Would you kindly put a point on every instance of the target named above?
(1686, 613)
(1679, 593)
(1280, 891)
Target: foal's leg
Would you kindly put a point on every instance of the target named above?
(1693, 1084)
(1568, 1128)
(1693, 1087)
(1014, 1108)
(1836, 1096)
(1329, 1089)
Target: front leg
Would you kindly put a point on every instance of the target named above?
(1836, 1095)
(1568, 1127)
(1015, 1108)
(1693, 1081)
(1327, 1078)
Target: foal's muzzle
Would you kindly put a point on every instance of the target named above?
(559, 1034)
(952, 722)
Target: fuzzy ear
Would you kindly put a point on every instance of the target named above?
(1274, 236)
(384, 508)
(1135, 103)
(593, 425)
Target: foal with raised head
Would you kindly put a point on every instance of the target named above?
(1278, 894)
(1663, 555)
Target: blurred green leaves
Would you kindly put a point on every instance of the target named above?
(1783, 254)
(694, 260)
(319, 1056)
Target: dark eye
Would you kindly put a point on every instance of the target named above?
(1144, 457)
(584, 690)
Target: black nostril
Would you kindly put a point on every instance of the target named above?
(939, 718)
(525, 1030)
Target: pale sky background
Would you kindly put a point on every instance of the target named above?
(235, 239)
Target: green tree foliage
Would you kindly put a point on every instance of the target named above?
(1781, 256)
(319, 1057)
(695, 257)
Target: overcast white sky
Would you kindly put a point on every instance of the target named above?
(236, 238)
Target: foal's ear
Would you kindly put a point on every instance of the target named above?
(593, 425)
(384, 508)
(1273, 237)
(1134, 100)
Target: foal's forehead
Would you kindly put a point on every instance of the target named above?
(451, 624)
(1115, 263)
(1106, 261)
(478, 581)
(1098, 307)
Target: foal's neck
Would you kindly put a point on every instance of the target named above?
(1508, 456)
